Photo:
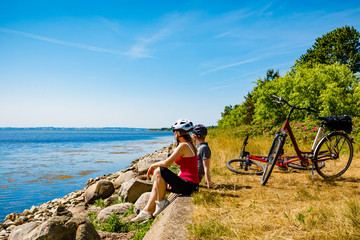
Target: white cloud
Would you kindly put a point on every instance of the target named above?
(228, 66)
(166, 27)
(60, 42)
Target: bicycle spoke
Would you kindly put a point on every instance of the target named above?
(336, 152)
(246, 167)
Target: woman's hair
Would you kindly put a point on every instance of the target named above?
(188, 138)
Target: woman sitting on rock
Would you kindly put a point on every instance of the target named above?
(185, 155)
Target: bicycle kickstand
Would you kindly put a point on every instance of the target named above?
(312, 172)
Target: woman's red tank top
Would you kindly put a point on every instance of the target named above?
(189, 168)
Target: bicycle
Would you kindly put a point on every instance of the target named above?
(249, 164)
(335, 149)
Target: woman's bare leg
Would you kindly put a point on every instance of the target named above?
(157, 193)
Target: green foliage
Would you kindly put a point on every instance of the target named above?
(341, 45)
(324, 79)
(227, 110)
(271, 75)
(301, 218)
(174, 168)
(142, 229)
(304, 130)
(116, 223)
(329, 89)
(232, 119)
(100, 203)
(249, 109)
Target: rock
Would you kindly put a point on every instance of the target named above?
(118, 209)
(78, 209)
(54, 228)
(34, 209)
(87, 231)
(62, 211)
(143, 165)
(142, 201)
(26, 212)
(132, 189)
(12, 216)
(116, 236)
(63, 227)
(19, 232)
(112, 199)
(8, 223)
(101, 189)
(10, 228)
(3, 232)
(19, 221)
(172, 222)
(123, 177)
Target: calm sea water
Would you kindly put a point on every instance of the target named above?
(37, 166)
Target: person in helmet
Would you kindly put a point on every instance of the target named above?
(187, 182)
(204, 153)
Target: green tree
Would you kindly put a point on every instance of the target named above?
(271, 75)
(243, 113)
(340, 45)
(227, 111)
(233, 118)
(330, 89)
(249, 109)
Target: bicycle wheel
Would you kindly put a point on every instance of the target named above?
(246, 167)
(300, 166)
(274, 154)
(336, 150)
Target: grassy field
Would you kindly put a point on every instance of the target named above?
(290, 206)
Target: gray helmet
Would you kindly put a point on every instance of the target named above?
(200, 131)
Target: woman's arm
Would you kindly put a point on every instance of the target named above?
(179, 151)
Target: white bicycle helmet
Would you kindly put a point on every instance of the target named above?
(183, 124)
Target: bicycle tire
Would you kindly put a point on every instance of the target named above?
(336, 150)
(273, 156)
(245, 167)
(301, 167)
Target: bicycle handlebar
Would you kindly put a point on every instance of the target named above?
(281, 100)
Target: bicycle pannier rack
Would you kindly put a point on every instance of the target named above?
(339, 123)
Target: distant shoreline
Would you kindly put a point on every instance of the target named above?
(76, 128)
(90, 129)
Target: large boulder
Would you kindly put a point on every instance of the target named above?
(172, 222)
(21, 231)
(120, 208)
(87, 231)
(78, 209)
(101, 189)
(132, 189)
(143, 164)
(123, 177)
(142, 201)
(64, 227)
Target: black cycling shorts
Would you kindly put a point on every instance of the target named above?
(178, 184)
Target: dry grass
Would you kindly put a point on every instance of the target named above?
(290, 206)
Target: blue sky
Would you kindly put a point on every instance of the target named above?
(148, 63)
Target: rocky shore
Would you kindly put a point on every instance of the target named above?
(67, 217)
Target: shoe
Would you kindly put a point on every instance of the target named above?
(141, 217)
(160, 206)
